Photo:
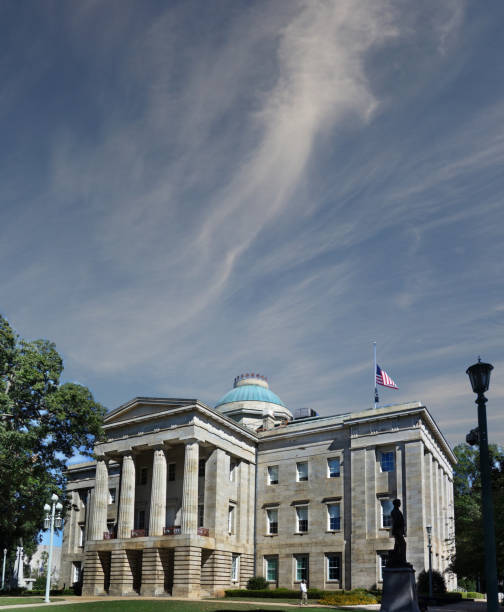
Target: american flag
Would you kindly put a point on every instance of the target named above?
(382, 378)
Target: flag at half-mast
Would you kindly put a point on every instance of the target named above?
(382, 378)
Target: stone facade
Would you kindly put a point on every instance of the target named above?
(185, 500)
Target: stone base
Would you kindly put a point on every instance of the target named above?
(153, 578)
(123, 570)
(94, 576)
(399, 590)
(187, 571)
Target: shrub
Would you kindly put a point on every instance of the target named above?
(40, 582)
(438, 582)
(466, 584)
(276, 593)
(257, 583)
(473, 595)
(348, 598)
(357, 596)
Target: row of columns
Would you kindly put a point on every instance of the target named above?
(439, 501)
(157, 513)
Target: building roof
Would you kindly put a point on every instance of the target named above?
(250, 392)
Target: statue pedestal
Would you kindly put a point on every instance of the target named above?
(399, 590)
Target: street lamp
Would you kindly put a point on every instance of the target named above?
(479, 375)
(429, 536)
(3, 568)
(50, 522)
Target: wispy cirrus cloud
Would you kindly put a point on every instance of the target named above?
(271, 185)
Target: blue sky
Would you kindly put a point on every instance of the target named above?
(192, 190)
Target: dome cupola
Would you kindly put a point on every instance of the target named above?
(251, 400)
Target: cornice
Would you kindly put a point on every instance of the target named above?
(187, 406)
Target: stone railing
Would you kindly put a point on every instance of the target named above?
(138, 533)
(109, 536)
(203, 531)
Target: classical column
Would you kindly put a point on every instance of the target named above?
(399, 473)
(435, 520)
(157, 515)
(127, 498)
(216, 492)
(244, 507)
(414, 502)
(190, 489)
(100, 501)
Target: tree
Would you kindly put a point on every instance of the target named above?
(43, 423)
(469, 560)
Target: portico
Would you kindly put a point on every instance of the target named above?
(170, 530)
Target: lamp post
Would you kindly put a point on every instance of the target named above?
(479, 375)
(50, 522)
(429, 536)
(3, 568)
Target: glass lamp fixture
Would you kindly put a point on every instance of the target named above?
(47, 520)
(58, 520)
(479, 375)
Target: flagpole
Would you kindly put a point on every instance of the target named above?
(376, 399)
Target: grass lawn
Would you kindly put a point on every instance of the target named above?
(168, 605)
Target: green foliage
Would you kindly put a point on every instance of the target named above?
(44, 423)
(468, 562)
(467, 584)
(40, 581)
(257, 583)
(359, 595)
(473, 595)
(348, 598)
(438, 582)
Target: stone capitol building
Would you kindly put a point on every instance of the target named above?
(189, 500)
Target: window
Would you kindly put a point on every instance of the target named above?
(201, 467)
(142, 476)
(386, 508)
(272, 517)
(271, 568)
(171, 513)
(172, 471)
(201, 515)
(333, 515)
(302, 471)
(333, 566)
(301, 567)
(235, 567)
(231, 519)
(302, 518)
(83, 495)
(76, 571)
(111, 527)
(387, 461)
(141, 519)
(112, 496)
(382, 564)
(232, 471)
(273, 474)
(333, 468)
(82, 529)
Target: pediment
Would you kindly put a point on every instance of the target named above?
(141, 408)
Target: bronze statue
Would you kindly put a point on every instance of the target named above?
(397, 557)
